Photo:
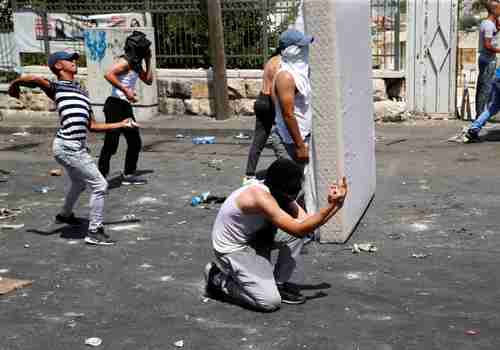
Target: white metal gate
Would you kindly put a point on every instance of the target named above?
(431, 56)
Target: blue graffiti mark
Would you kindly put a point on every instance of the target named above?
(96, 44)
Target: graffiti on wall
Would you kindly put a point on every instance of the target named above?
(95, 42)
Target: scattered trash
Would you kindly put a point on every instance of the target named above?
(27, 245)
(364, 247)
(203, 140)
(242, 136)
(205, 197)
(143, 238)
(182, 222)
(146, 200)
(146, 266)
(166, 278)
(179, 343)
(205, 300)
(4, 270)
(55, 172)
(42, 189)
(394, 236)
(73, 314)
(130, 218)
(179, 136)
(11, 226)
(6, 213)
(94, 341)
(22, 133)
(125, 227)
(420, 255)
(8, 285)
(472, 332)
(395, 142)
(215, 163)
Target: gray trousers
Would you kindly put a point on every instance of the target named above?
(250, 279)
(82, 171)
(308, 196)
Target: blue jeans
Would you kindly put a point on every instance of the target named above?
(492, 108)
(485, 80)
(82, 171)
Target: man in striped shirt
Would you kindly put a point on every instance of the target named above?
(70, 144)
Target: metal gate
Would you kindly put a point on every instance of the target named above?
(431, 56)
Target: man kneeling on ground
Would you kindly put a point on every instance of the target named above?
(245, 232)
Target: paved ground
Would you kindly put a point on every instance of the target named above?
(433, 198)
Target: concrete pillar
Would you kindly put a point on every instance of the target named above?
(103, 46)
(343, 127)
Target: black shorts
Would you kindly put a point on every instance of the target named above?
(264, 108)
(115, 110)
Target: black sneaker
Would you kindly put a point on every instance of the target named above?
(69, 220)
(98, 237)
(212, 283)
(133, 180)
(290, 295)
(471, 136)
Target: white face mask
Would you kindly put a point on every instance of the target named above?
(295, 59)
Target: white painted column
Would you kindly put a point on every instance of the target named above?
(343, 125)
(105, 48)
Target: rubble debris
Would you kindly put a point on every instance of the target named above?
(42, 189)
(179, 136)
(420, 255)
(472, 332)
(11, 226)
(55, 172)
(8, 285)
(21, 133)
(6, 213)
(242, 136)
(364, 247)
(179, 343)
(94, 341)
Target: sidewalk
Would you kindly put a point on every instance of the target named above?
(162, 124)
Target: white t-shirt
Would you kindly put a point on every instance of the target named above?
(233, 230)
(487, 30)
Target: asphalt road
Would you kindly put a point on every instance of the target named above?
(434, 199)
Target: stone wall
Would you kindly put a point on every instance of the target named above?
(190, 92)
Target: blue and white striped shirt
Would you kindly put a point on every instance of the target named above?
(75, 111)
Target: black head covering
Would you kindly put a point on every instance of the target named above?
(284, 179)
(136, 48)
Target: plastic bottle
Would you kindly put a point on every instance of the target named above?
(196, 200)
(204, 140)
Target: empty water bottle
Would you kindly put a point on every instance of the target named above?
(204, 140)
(196, 200)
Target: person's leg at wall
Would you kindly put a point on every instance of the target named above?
(492, 108)
(484, 84)
(134, 146)
(264, 117)
(111, 142)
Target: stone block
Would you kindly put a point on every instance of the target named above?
(389, 111)
(379, 90)
(207, 107)
(163, 88)
(253, 87)
(236, 88)
(180, 89)
(172, 106)
(247, 107)
(192, 106)
(200, 89)
(7, 102)
(39, 102)
(235, 107)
